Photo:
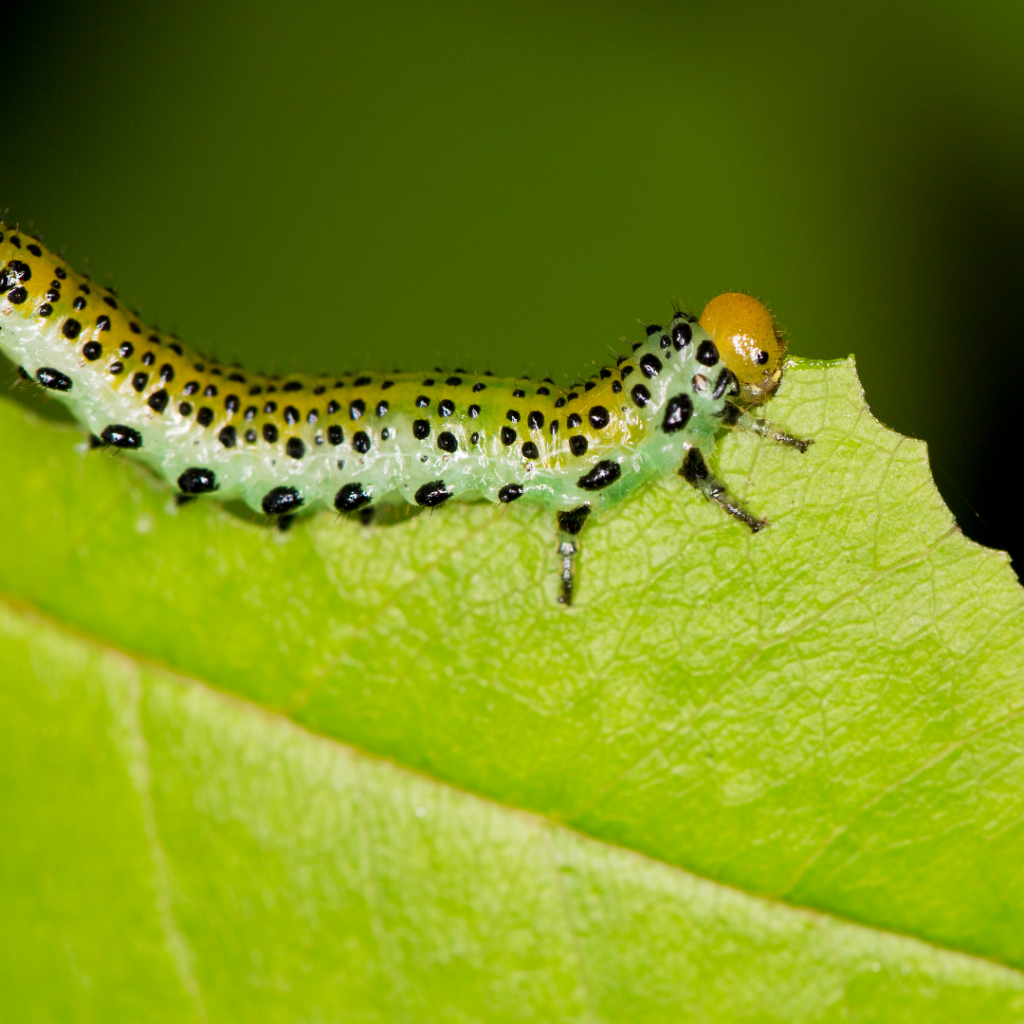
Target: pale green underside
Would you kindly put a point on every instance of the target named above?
(765, 778)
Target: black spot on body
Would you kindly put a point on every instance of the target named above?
(474, 411)
(616, 387)
(295, 447)
(682, 335)
(335, 434)
(512, 416)
(605, 373)
(453, 381)
(382, 409)
(158, 400)
(598, 417)
(79, 304)
(650, 365)
(653, 329)
(707, 353)
(572, 521)
(530, 451)
(270, 408)
(126, 351)
(210, 390)
(604, 473)
(291, 415)
(420, 429)
(535, 420)
(518, 393)
(250, 436)
(447, 442)
(730, 415)
(432, 494)
(678, 411)
(140, 380)
(508, 436)
(148, 359)
(92, 350)
(45, 309)
(270, 433)
(640, 395)
(116, 368)
(474, 437)
(361, 441)
(510, 493)
(360, 382)
(281, 501)
(351, 497)
(103, 323)
(205, 417)
(196, 480)
(478, 386)
(573, 420)
(578, 445)
(694, 468)
(724, 380)
(71, 329)
(559, 402)
(167, 373)
(121, 436)
(34, 249)
(231, 403)
(185, 408)
(445, 407)
(53, 379)
(332, 408)
(228, 437)
(292, 385)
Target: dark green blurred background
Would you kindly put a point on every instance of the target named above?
(513, 185)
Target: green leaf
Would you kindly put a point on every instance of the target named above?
(380, 774)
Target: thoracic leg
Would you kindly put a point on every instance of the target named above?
(737, 419)
(570, 524)
(696, 473)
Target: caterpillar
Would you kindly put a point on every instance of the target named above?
(353, 441)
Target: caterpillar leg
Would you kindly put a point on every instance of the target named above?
(737, 419)
(696, 473)
(570, 524)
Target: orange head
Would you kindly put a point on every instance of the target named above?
(748, 342)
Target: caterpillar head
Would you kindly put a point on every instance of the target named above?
(748, 342)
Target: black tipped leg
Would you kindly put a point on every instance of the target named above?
(570, 524)
(734, 418)
(696, 473)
